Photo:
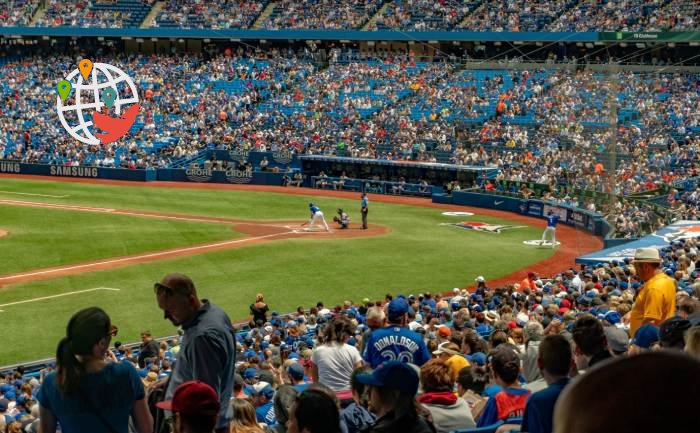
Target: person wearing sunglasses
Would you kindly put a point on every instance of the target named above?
(208, 350)
(86, 393)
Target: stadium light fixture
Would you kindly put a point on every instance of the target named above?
(180, 41)
(101, 38)
(126, 38)
(45, 38)
(154, 39)
(139, 40)
(518, 42)
(589, 45)
(497, 43)
(207, 40)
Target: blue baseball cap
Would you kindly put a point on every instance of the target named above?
(3, 405)
(10, 395)
(250, 373)
(262, 388)
(397, 307)
(296, 371)
(478, 358)
(393, 375)
(612, 317)
(646, 336)
(250, 353)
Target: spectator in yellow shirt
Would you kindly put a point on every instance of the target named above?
(656, 299)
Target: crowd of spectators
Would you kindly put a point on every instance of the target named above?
(463, 359)
(320, 14)
(82, 13)
(18, 13)
(197, 14)
(405, 15)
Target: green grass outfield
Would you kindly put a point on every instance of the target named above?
(418, 255)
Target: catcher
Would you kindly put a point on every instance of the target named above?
(342, 219)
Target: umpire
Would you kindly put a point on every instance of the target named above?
(365, 210)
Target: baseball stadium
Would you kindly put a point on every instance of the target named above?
(349, 216)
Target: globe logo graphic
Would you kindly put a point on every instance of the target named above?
(80, 113)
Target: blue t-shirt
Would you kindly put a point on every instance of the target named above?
(395, 343)
(112, 391)
(552, 220)
(539, 411)
(314, 209)
(266, 413)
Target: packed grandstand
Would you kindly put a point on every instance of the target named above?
(614, 132)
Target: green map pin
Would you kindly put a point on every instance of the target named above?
(63, 89)
(108, 96)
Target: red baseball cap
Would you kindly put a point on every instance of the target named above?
(193, 398)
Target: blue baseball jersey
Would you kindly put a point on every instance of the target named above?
(266, 413)
(314, 209)
(395, 343)
(552, 220)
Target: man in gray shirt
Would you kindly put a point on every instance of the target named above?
(207, 350)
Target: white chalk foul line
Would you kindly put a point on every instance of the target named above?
(34, 195)
(55, 206)
(140, 257)
(43, 298)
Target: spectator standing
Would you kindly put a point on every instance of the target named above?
(510, 401)
(335, 360)
(532, 336)
(259, 309)
(554, 360)
(85, 393)
(393, 388)
(448, 411)
(208, 346)
(196, 407)
(656, 299)
(396, 342)
(149, 349)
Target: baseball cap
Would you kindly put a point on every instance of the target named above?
(443, 348)
(618, 340)
(444, 332)
(296, 371)
(392, 375)
(194, 398)
(503, 355)
(480, 279)
(671, 332)
(646, 336)
(478, 358)
(3, 405)
(250, 373)
(612, 317)
(262, 388)
(397, 307)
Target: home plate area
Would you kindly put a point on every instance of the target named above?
(540, 243)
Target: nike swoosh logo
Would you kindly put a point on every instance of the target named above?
(497, 202)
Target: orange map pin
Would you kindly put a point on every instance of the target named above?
(85, 67)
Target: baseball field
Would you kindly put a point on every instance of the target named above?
(68, 245)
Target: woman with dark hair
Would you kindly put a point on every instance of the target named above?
(448, 411)
(392, 397)
(85, 393)
(510, 401)
(314, 412)
(335, 360)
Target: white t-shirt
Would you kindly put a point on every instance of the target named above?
(335, 363)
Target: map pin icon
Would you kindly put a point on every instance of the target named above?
(108, 96)
(85, 67)
(63, 89)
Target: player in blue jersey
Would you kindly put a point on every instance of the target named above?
(316, 217)
(396, 342)
(552, 221)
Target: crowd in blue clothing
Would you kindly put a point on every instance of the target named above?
(527, 334)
